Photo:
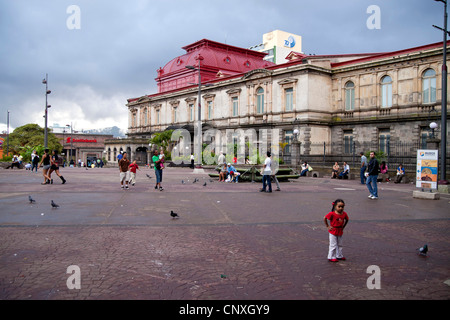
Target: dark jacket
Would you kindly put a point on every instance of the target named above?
(373, 167)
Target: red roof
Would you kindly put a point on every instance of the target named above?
(216, 58)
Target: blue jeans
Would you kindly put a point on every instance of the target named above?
(158, 173)
(371, 183)
(267, 182)
(361, 174)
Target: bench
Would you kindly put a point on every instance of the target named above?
(252, 174)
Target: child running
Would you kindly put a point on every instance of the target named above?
(133, 166)
(338, 220)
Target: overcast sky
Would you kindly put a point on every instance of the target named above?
(119, 45)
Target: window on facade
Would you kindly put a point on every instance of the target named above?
(145, 117)
(288, 138)
(175, 115)
(260, 100)
(348, 141)
(235, 102)
(424, 134)
(349, 96)
(429, 86)
(384, 139)
(386, 92)
(210, 110)
(191, 112)
(134, 120)
(158, 116)
(289, 99)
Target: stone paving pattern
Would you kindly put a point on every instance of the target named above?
(230, 243)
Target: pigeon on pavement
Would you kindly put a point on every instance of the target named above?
(174, 215)
(31, 199)
(423, 251)
(54, 205)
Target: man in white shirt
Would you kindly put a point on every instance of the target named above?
(344, 174)
(267, 172)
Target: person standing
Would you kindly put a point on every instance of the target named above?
(119, 156)
(267, 172)
(124, 163)
(158, 171)
(192, 161)
(133, 166)
(363, 168)
(221, 159)
(338, 220)
(371, 181)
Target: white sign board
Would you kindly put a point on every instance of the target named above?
(427, 169)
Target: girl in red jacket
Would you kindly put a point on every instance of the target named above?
(338, 220)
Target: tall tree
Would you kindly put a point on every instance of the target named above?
(29, 136)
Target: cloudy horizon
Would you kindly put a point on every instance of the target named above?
(115, 53)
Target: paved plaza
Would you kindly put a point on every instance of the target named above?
(231, 242)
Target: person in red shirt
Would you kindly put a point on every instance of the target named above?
(133, 166)
(338, 220)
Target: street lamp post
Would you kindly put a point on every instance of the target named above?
(47, 92)
(199, 118)
(443, 179)
(7, 134)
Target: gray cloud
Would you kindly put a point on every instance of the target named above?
(115, 54)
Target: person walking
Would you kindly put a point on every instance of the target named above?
(338, 220)
(363, 168)
(55, 167)
(371, 180)
(124, 163)
(158, 171)
(46, 166)
(35, 161)
(267, 172)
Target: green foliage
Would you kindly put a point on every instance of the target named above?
(28, 150)
(379, 155)
(162, 139)
(23, 140)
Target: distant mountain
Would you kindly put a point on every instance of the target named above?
(115, 131)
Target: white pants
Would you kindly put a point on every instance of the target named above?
(132, 177)
(335, 249)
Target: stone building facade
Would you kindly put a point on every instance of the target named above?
(336, 103)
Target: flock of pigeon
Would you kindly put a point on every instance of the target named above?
(423, 251)
(197, 180)
(52, 203)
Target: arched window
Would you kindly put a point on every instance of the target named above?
(260, 100)
(429, 86)
(386, 92)
(349, 96)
